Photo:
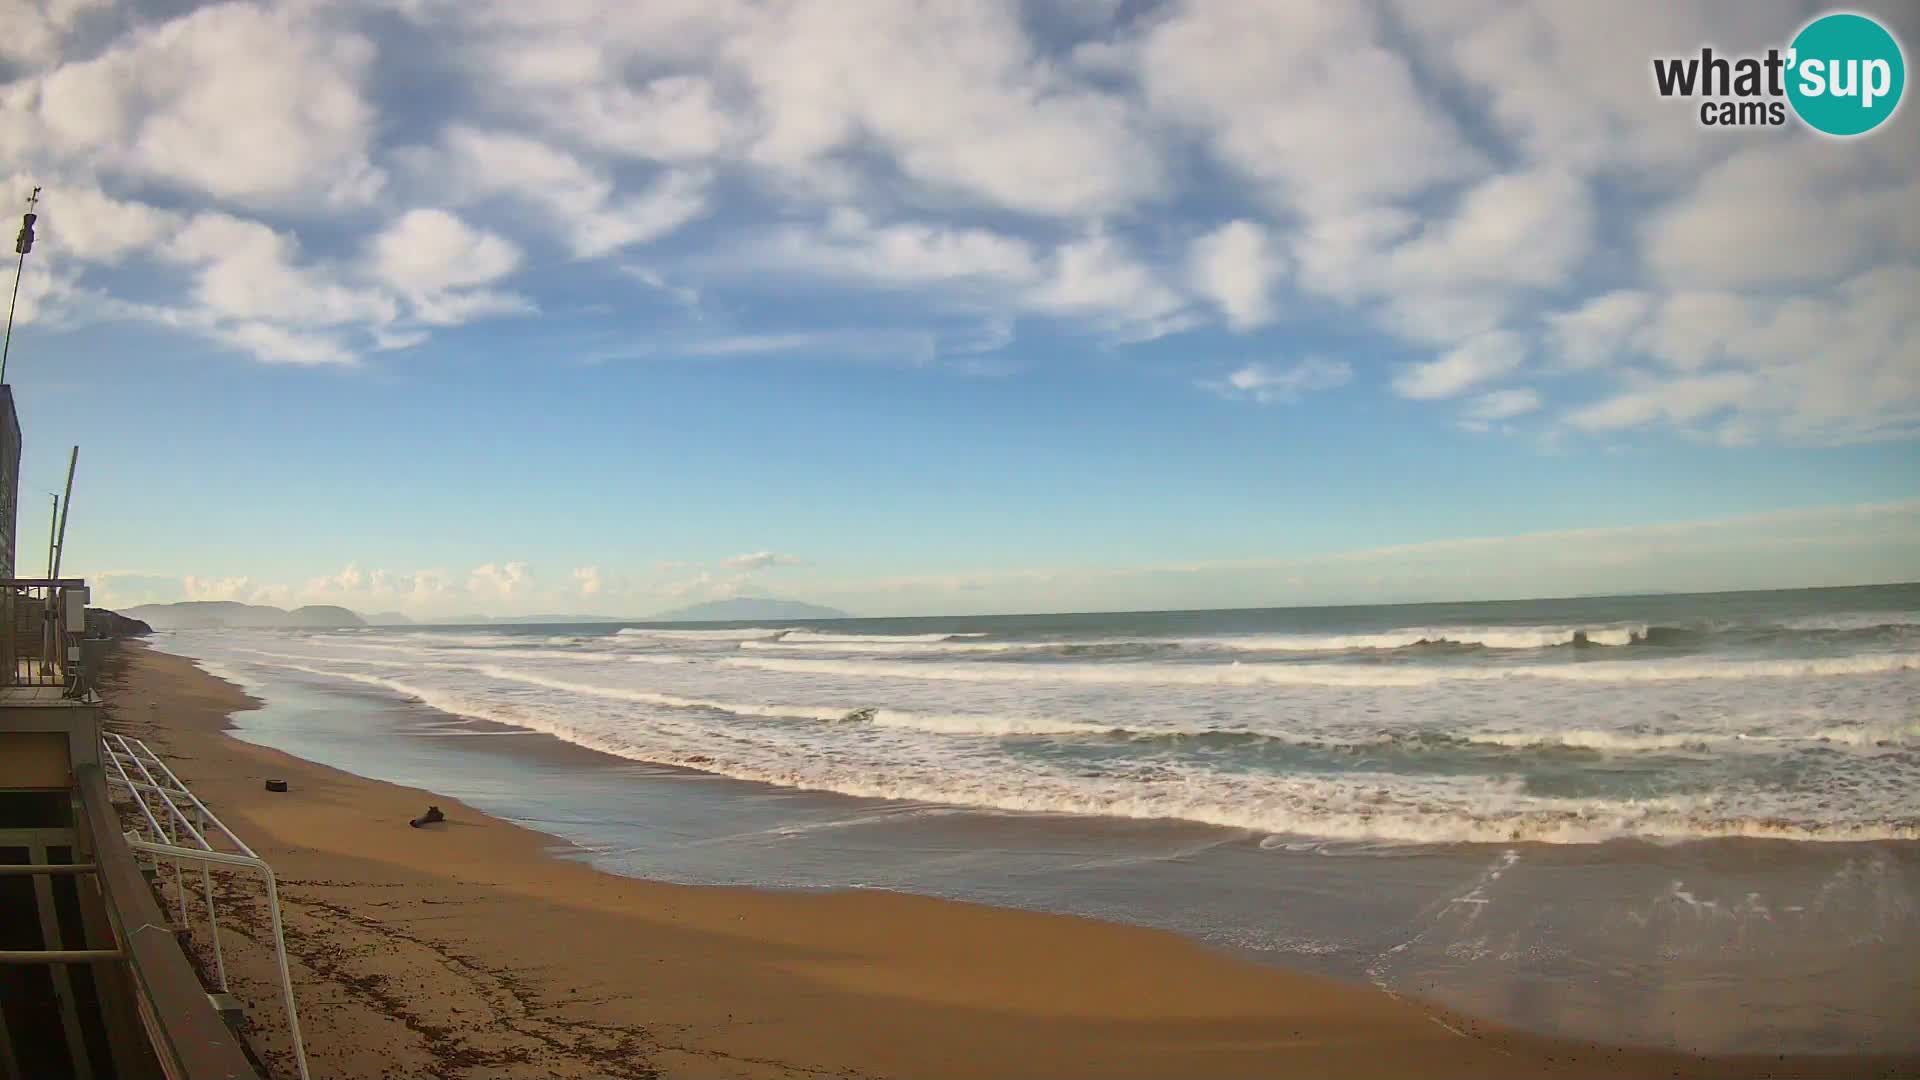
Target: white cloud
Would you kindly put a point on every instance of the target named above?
(36, 29)
(232, 101)
(1558, 81)
(1267, 383)
(80, 220)
(348, 580)
(850, 245)
(952, 95)
(1099, 276)
(761, 560)
(1456, 184)
(673, 118)
(1236, 266)
(1521, 229)
(1488, 356)
(500, 579)
(1679, 400)
(1790, 212)
(1273, 89)
(425, 251)
(247, 270)
(597, 218)
(588, 581)
(1598, 332)
(278, 345)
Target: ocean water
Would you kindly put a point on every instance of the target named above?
(1674, 820)
(1789, 715)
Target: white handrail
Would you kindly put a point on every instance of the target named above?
(121, 751)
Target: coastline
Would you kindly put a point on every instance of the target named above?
(472, 949)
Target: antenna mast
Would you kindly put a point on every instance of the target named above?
(66, 505)
(22, 244)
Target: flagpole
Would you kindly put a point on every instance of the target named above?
(22, 245)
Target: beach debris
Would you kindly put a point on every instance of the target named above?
(432, 816)
(276, 785)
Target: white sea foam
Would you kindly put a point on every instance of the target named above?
(1241, 674)
(1413, 746)
(816, 638)
(950, 724)
(1878, 736)
(1491, 637)
(1359, 806)
(738, 634)
(887, 647)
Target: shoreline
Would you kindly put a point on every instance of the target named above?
(415, 955)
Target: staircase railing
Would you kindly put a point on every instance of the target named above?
(179, 829)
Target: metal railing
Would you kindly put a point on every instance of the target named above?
(42, 621)
(180, 829)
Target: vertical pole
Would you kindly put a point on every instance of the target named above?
(286, 976)
(66, 506)
(19, 267)
(49, 638)
(213, 916)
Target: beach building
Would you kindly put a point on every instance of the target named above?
(94, 981)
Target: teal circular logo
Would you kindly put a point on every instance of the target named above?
(1845, 74)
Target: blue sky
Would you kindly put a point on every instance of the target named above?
(909, 308)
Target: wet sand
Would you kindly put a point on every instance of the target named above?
(471, 949)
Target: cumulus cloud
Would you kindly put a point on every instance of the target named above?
(426, 251)
(232, 100)
(500, 579)
(1235, 266)
(1468, 191)
(1272, 88)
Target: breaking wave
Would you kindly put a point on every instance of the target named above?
(1256, 674)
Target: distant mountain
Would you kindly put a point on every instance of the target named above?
(323, 617)
(102, 623)
(219, 614)
(747, 608)
(388, 618)
(557, 619)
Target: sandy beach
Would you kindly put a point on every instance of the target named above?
(469, 949)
